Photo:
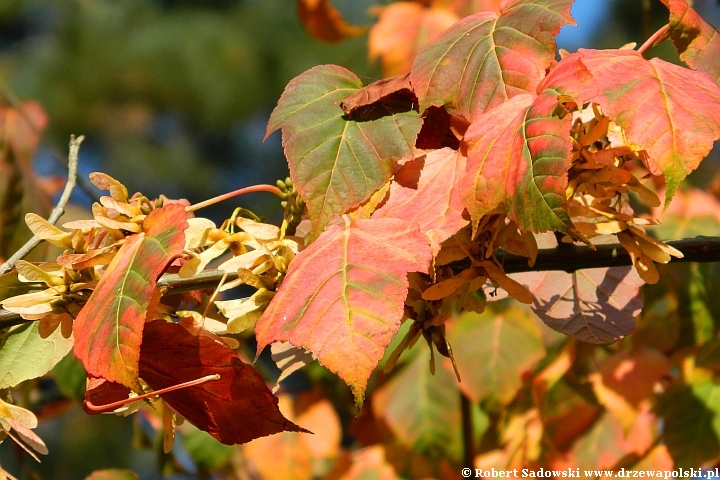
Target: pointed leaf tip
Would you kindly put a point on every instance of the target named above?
(108, 330)
(486, 59)
(520, 151)
(343, 296)
(236, 408)
(672, 112)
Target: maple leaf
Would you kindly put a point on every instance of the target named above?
(672, 112)
(625, 382)
(422, 409)
(597, 305)
(324, 22)
(513, 344)
(108, 330)
(435, 205)
(486, 59)
(401, 30)
(337, 163)
(343, 296)
(696, 41)
(26, 353)
(291, 457)
(519, 153)
(236, 408)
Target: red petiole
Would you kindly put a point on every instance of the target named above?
(115, 405)
(236, 193)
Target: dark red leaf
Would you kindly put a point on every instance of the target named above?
(237, 408)
(103, 392)
(439, 130)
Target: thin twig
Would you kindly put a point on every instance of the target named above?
(59, 208)
(653, 38)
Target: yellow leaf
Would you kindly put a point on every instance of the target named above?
(655, 249)
(47, 231)
(644, 266)
(646, 195)
(196, 235)
(105, 182)
(122, 208)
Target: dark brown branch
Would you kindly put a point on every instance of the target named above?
(573, 257)
(568, 258)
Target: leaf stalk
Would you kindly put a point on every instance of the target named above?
(654, 38)
(236, 193)
(114, 405)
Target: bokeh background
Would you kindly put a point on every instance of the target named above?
(173, 97)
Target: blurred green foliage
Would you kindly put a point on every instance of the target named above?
(172, 96)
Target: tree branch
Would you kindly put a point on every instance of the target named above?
(568, 258)
(57, 211)
(575, 257)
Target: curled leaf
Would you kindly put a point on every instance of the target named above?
(337, 163)
(324, 22)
